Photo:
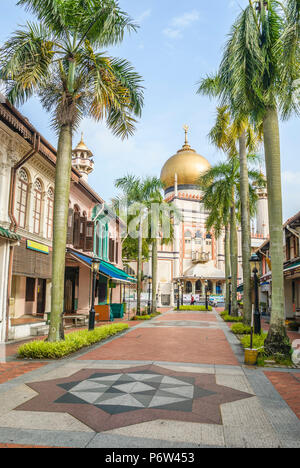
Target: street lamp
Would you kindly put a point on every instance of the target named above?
(229, 302)
(206, 290)
(257, 321)
(149, 294)
(178, 294)
(182, 290)
(95, 269)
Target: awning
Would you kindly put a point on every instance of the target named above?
(206, 271)
(106, 269)
(292, 267)
(11, 236)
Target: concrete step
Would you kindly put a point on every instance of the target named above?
(39, 330)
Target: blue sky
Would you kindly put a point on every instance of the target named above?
(176, 45)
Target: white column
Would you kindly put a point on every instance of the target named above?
(172, 295)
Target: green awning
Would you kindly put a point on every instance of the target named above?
(8, 234)
(107, 269)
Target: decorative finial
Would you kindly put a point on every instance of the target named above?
(186, 129)
(81, 137)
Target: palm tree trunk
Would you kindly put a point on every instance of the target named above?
(234, 259)
(227, 264)
(277, 340)
(139, 268)
(246, 232)
(154, 275)
(60, 221)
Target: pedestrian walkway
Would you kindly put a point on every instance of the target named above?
(175, 381)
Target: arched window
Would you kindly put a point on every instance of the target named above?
(37, 206)
(49, 219)
(198, 237)
(188, 242)
(188, 287)
(198, 287)
(21, 198)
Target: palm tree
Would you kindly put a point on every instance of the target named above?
(238, 137)
(221, 188)
(138, 194)
(60, 59)
(162, 219)
(218, 221)
(257, 77)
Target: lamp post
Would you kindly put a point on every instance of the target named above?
(149, 294)
(257, 320)
(182, 289)
(206, 290)
(95, 270)
(229, 302)
(178, 294)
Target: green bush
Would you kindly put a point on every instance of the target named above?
(73, 342)
(141, 317)
(195, 307)
(230, 318)
(240, 329)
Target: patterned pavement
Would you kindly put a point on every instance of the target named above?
(176, 381)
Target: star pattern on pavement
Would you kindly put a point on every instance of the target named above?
(119, 393)
(105, 399)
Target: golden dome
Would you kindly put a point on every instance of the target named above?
(187, 164)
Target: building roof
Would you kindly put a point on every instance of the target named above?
(206, 270)
(11, 236)
(21, 125)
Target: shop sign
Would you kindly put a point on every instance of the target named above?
(31, 245)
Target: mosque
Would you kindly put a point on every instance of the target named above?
(196, 257)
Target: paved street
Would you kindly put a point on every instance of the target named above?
(176, 381)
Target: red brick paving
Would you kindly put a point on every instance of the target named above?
(173, 344)
(11, 370)
(11, 349)
(186, 316)
(287, 385)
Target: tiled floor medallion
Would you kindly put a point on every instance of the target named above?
(104, 399)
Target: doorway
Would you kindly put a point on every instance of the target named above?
(71, 281)
(41, 296)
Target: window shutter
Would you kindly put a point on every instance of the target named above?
(89, 238)
(117, 252)
(76, 232)
(70, 227)
(82, 233)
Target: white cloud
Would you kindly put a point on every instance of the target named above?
(179, 23)
(143, 16)
(186, 19)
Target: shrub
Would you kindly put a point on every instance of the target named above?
(258, 341)
(240, 329)
(230, 318)
(141, 317)
(73, 342)
(195, 307)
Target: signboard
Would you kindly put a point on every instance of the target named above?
(31, 245)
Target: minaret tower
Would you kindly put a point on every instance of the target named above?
(82, 159)
(262, 214)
